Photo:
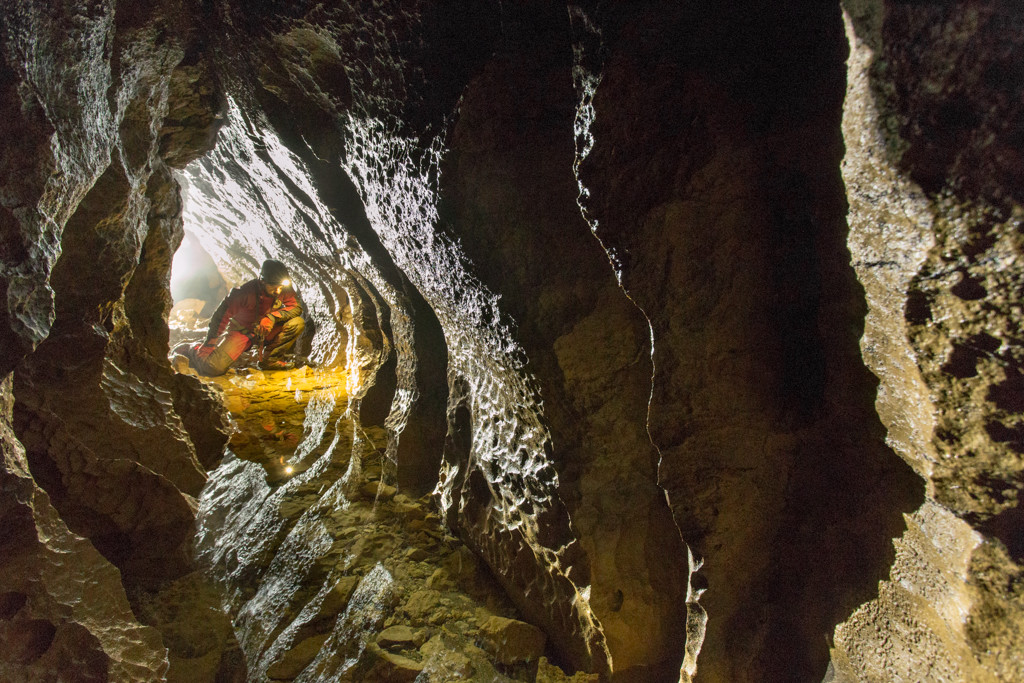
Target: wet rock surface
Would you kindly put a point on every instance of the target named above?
(332, 572)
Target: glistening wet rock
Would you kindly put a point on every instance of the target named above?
(332, 574)
(664, 302)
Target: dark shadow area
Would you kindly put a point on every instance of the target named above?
(1008, 527)
(943, 111)
(730, 116)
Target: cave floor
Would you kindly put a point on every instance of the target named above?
(332, 574)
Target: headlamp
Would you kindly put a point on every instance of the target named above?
(286, 283)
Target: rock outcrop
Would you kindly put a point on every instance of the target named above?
(91, 217)
(933, 174)
(63, 609)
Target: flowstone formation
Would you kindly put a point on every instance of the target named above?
(694, 326)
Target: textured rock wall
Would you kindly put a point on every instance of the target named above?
(386, 206)
(91, 217)
(713, 183)
(70, 403)
(383, 195)
(588, 345)
(933, 123)
(63, 611)
(601, 400)
(254, 198)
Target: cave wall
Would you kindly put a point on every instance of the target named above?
(683, 311)
(713, 182)
(588, 345)
(91, 217)
(932, 123)
(63, 609)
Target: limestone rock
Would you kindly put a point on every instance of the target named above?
(197, 632)
(195, 112)
(203, 416)
(416, 554)
(549, 673)
(724, 222)
(599, 278)
(934, 235)
(340, 594)
(107, 218)
(63, 610)
(512, 641)
(377, 490)
(397, 637)
(395, 667)
(297, 658)
(443, 659)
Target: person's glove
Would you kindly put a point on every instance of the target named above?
(264, 326)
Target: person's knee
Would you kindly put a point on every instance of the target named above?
(294, 326)
(216, 364)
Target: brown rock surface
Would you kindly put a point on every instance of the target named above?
(298, 658)
(330, 585)
(712, 182)
(935, 209)
(63, 610)
(97, 217)
(653, 438)
(512, 641)
(589, 351)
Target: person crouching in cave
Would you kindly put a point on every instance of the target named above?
(266, 312)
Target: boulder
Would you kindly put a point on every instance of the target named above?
(390, 666)
(397, 638)
(512, 641)
(292, 662)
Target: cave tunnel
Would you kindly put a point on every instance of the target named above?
(646, 342)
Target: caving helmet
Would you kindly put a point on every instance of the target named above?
(274, 273)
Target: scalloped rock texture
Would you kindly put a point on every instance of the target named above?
(63, 611)
(94, 405)
(91, 217)
(683, 311)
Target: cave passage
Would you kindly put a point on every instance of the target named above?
(329, 567)
(330, 571)
(658, 341)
